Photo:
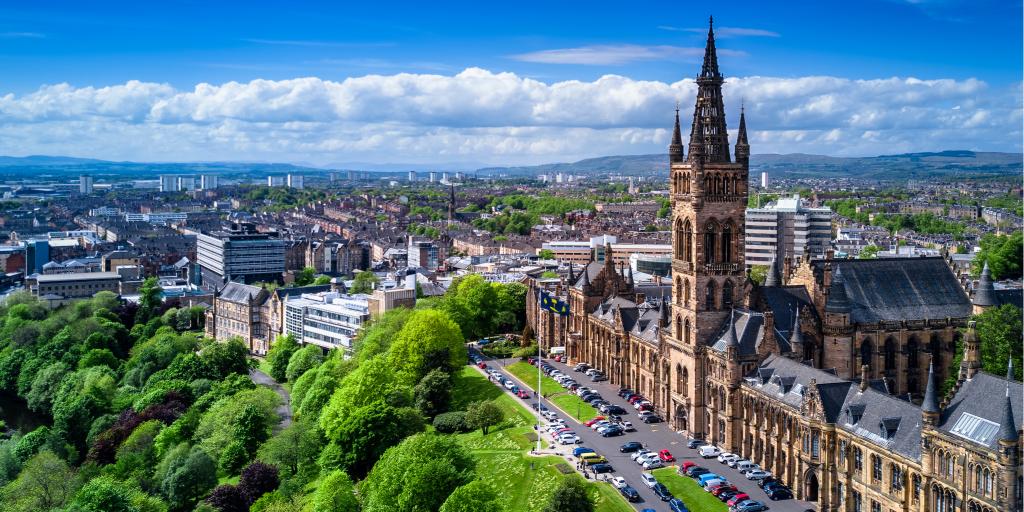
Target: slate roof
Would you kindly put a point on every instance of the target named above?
(984, 397)
(881, 419)
(900, 289)
(639, 320)
(1005, 296)
(749, 328)
(591, 270)
(238, 292)
(783, 302)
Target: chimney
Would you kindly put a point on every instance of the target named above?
(863, 377)
(830, 254)
(787, 270)
(410, 279)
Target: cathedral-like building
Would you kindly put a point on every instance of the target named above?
(827, 374)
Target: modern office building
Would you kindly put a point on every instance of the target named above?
(328, 319)
(239, 254)
(412, 175)
(275, 181)
(169, 183)
(295, 181)
(786, 229)
(85, 184)
(61, 287)
(186, 182)
(208, 182)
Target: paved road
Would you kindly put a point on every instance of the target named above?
(656, 436)
(285, 409)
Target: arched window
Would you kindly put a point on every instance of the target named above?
(686, 291)
(727, 294)
(686, 331)
(680, 241)
(686, 382)
(679, 327)
(935, 347)
(865, 352)
(710, 230)
(726, 244)
(687, 252)
(988, 483)
(890, 354)
(912, 350)
(978, 482)
(710, 298)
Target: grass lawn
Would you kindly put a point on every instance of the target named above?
(523, 482)
(553, 391)
(686, 489)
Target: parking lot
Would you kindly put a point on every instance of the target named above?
(655, 437)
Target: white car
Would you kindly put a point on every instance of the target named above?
(746, 467)
(758, 474)
(648, 479)
(647, 457)
(640, 453)
(627, 426)
(619, 482)
(725, 456)
(569, 439)
(550, 415)
(736, 462)
(602, 423)
(509, 384)
(581, 390)
(640, 403)
(653, 464)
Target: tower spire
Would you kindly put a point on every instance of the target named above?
(930, 404)
(675, 148)
(709, 112)
(710, 67)
(1007, 427)
(773, 278)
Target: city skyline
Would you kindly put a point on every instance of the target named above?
(493, 87)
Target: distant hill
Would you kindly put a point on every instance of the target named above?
(795, 165)
(44, 160)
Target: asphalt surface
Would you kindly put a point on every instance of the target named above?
(655, 437)
(284, 411)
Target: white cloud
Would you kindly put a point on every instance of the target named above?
(490, 117)
(21, 35)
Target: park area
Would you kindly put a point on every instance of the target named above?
(554, 392)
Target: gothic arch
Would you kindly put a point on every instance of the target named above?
(912, 353)
(686, 331)
(727, 294)
(686, 291)
(890, 353)
(709, 299)
(687, 252)
(727, 242)
(710, 234)
(866, 349)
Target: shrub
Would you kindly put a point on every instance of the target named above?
(451, 422)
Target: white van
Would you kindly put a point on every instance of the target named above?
(708, 451)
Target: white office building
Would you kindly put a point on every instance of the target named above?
(787, 228)
(168, 183)
(295, 181)
(85, 184)
(208, 182)
(328, 319)
(186, 182)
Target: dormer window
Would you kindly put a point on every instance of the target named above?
(888, 427)
(854, 413)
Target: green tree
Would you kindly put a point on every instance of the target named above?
(279, 354)
(335, 493)
(104, 494)
(570, 496)
(548, 274)
(294, 450)
(368, 431)
(46, 482)
(758, 273)
(1003, 255)
(215, 430)
(546, 254)
(430, 339)
(364, 282)
(476, 496)
(376, 337)
(1000, 332)
(149, 300)
(45, 386)
(305, 276)
(303, 360)
(483, 415)
(869, 252)
(433, 393)
(226, 358)
(416, 475)
(189, 478)
(322, 280)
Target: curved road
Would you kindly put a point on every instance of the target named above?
(285, 409)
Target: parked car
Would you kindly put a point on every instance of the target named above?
(696, 471)
(765, 483)
(662, 492)
(630, 494)
(653, 418)
(707, 477)
(677, 505)
(722, 457)
(624, 391)
(611, 431)
(648, 479)
(599, 377)
(615, 409)
(640, 453)
(580, 450)
(654, 464)
(646, 457)
(666, 456)
(602, 467)
(627, 426)
(736, 462)
(522, 394)
(748, 506)
(757, 473)
(569, 439)
(724, 488)
(737, 499)
(594, 420)
(694, 443)
(727, 495)
(687, 464)
(708, 451)
(482, 365)
(708, 485)
(779, 493)
(549, 415)
(744, 467)
(630, 447)
(619, 482)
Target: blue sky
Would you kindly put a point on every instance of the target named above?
(175, 46)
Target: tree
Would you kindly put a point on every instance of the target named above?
(418, 474)
(216, 428)
(188, 478)
(364, 282)
(322, 280)
(228, 498)
(104, 494)
(258, 479)
(528, 335)
(869, 252)
(483, 415)
(280, 353)
(476, 496)
(430, 339)
(334, 493)
(368, 431)
(305, 276)
(546, 254)
(433, 393)
(149, 300)
(45, 482)
(1000, 332)
(1003, 255)
(548, 274)
(295, 448)
(302, 361)
(759, 273)
(376, 337)
(225, 358)
(570, 496)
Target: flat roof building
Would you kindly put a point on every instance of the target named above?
(786, 229)
(239, 254)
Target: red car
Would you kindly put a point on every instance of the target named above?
(522, 394)
(687, 465)
(719, 489)
(595, 420)
(645, 407)
(530, 360)
(738, 498)
(666, 456)
(635, 398)
(482, 365)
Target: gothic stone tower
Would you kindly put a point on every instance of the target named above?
(709, 197)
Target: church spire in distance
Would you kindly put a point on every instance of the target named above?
(709, 112)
